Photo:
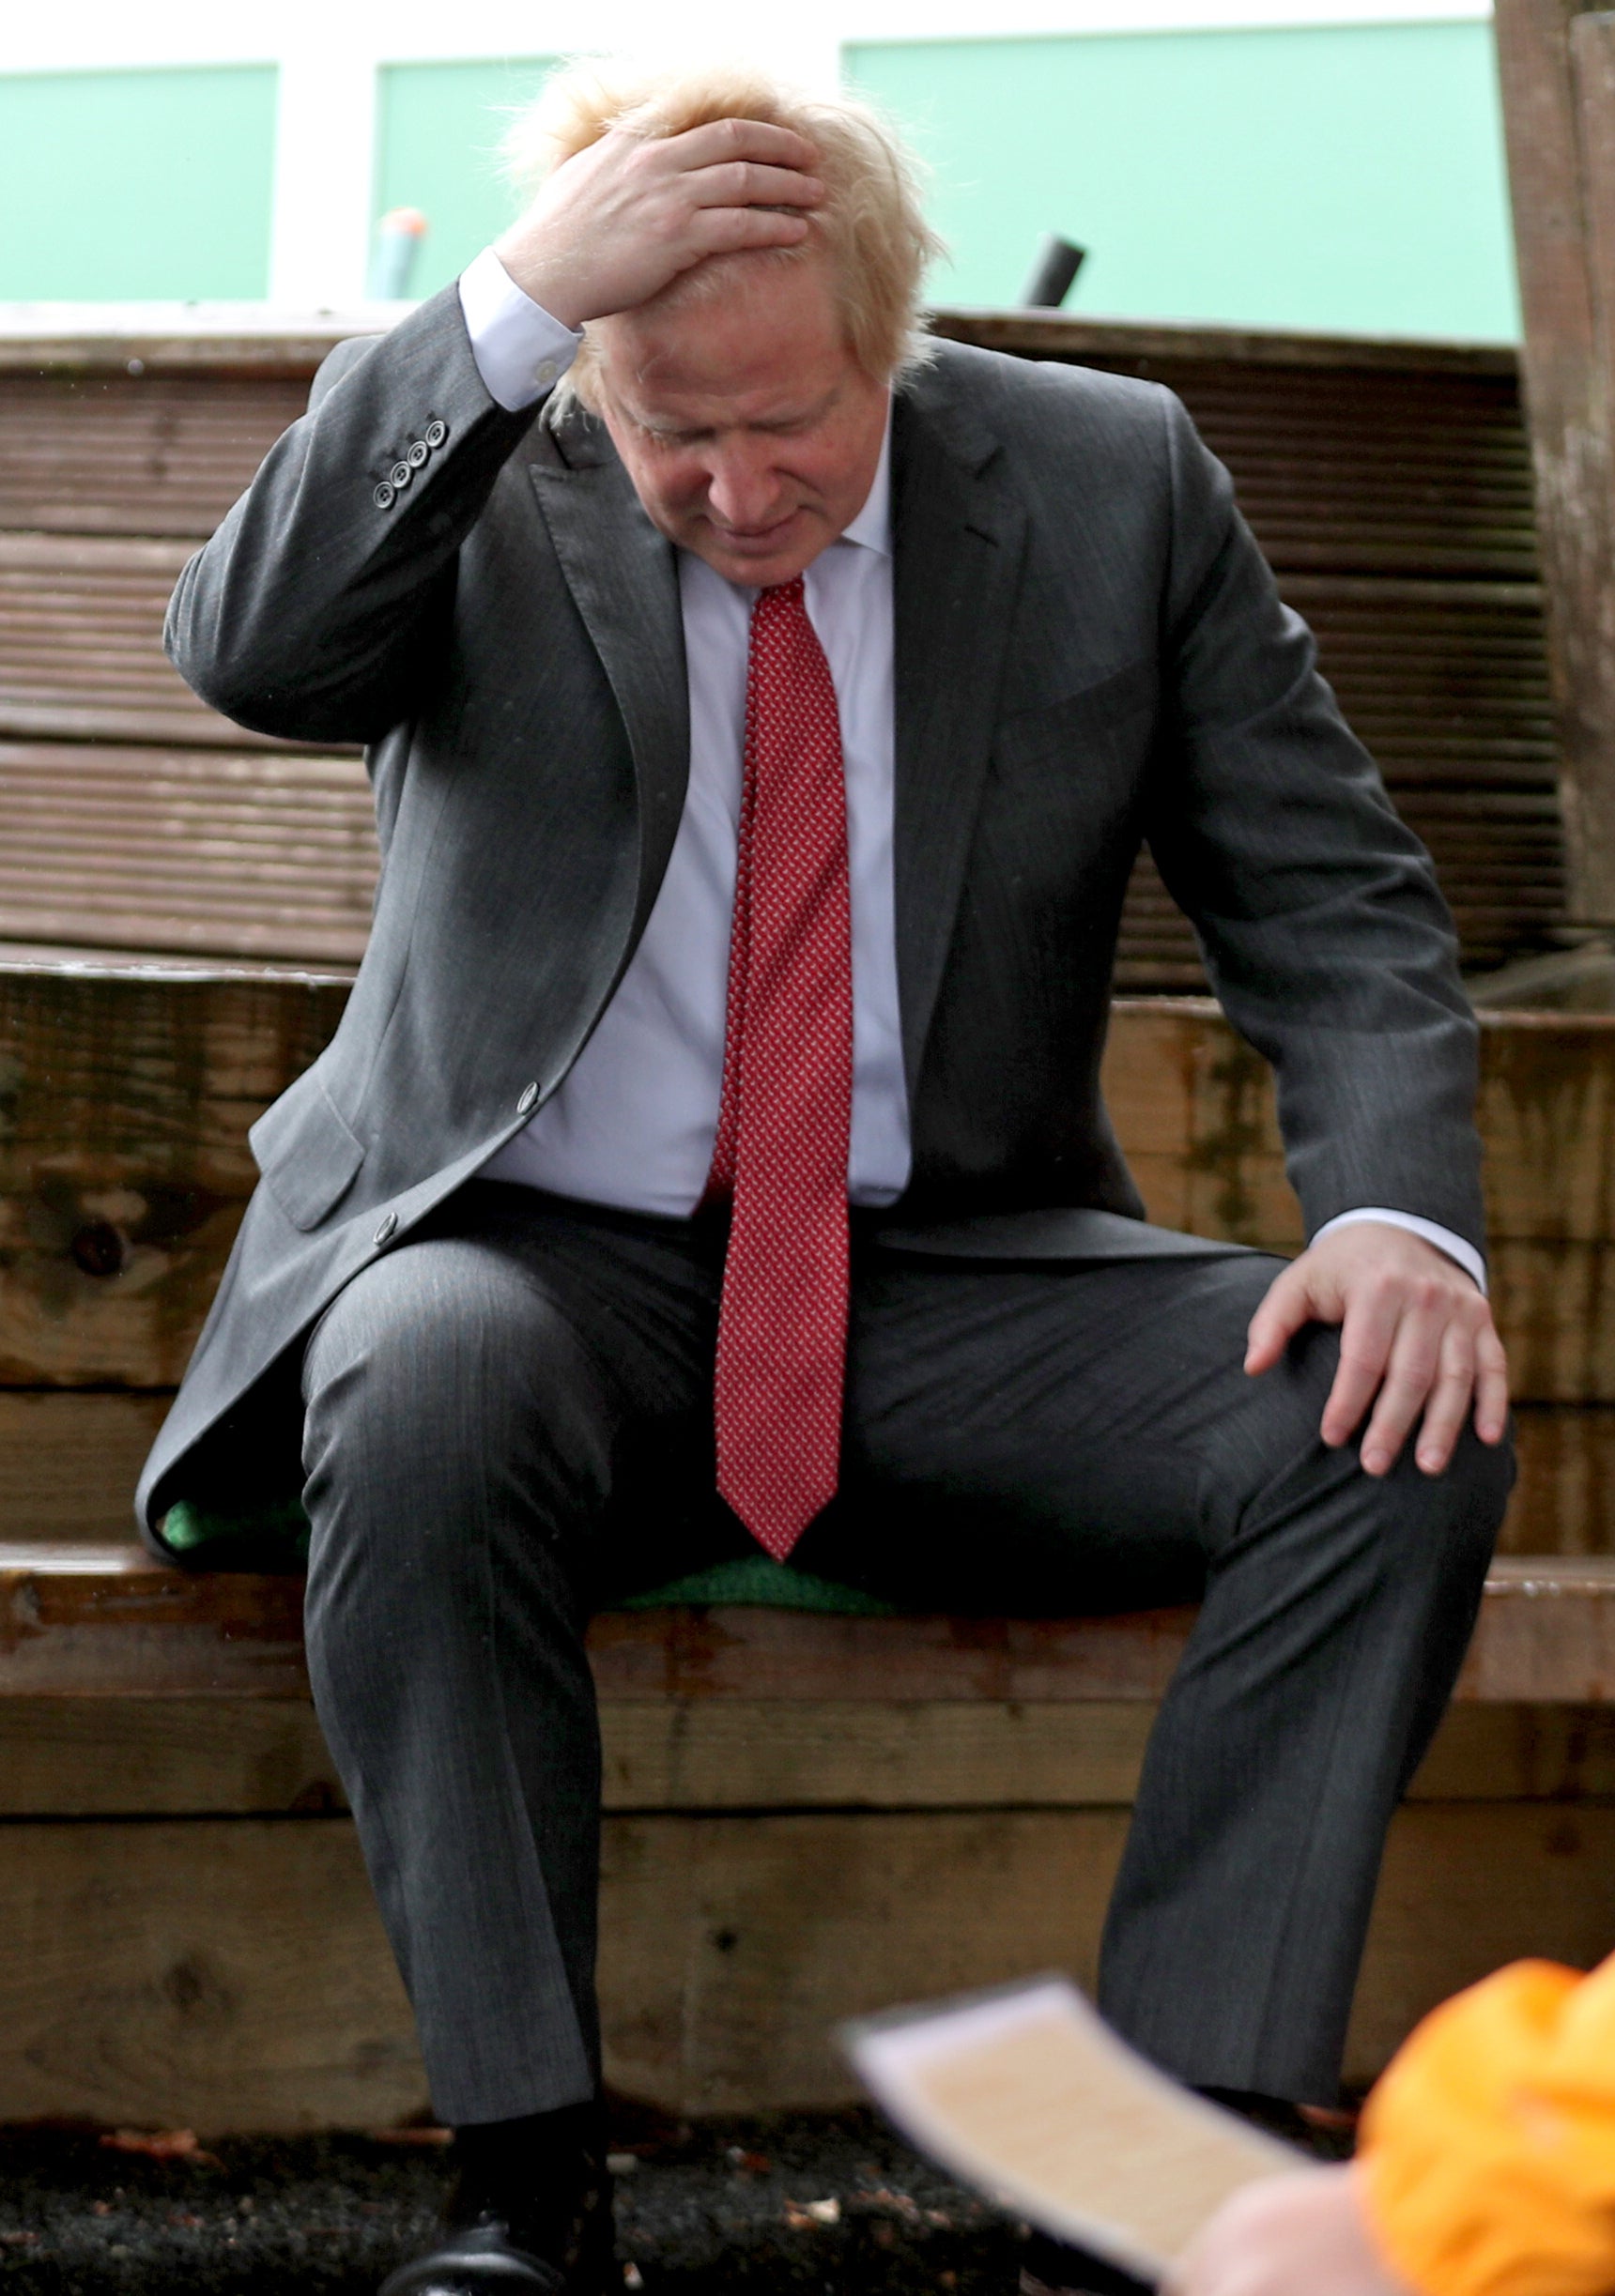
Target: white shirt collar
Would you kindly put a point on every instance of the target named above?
(872, 527)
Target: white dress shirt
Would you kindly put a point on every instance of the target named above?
(634, 1122)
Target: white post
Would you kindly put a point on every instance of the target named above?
(325, 159)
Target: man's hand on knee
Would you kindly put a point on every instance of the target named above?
(618, 222)
(1417, 1342)
(1285, 2236)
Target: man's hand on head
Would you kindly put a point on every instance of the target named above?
(618, 222)
(1417, 1342)
(1305, 2234)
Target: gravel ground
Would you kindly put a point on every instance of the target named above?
(827, 2203)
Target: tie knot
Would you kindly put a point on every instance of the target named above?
(779, 601)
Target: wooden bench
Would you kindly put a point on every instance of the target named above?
(79, 1620)
(806, 1816)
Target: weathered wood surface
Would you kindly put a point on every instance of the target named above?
(1390, 483)
(231, 1973)
(172, 1757)
(78, 1620)
(69, 1463)
(222, 851)
(125, 1099)
(1559, 110)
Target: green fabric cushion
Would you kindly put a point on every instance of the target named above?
(275, 1539)
(759, 1580)
(271, 1538)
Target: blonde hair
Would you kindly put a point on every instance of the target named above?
(870, 227)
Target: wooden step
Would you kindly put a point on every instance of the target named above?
(78, 1620)
(124, 1167)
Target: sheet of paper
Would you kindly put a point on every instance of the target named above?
(1025, 2094)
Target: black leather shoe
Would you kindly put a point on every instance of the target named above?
(476, 2261)
(530, 2215)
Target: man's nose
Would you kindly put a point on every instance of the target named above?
(743, 490)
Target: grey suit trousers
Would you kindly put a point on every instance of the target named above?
(508, 1423)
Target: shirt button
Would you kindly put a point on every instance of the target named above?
(417, 454)
(436, 434)
(529, 1095)
(388, 1230)
(546, 371)
(400, 474)
(383, 498)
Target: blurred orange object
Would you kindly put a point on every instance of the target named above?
(1488, 2150)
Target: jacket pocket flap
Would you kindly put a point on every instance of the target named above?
(305, 1150)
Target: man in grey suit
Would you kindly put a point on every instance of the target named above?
(764, 725)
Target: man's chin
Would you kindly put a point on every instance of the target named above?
(763, 566)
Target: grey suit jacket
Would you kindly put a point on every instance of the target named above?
(1090, 651)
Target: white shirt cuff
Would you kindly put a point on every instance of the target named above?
(1468, 1258)
(521, 351)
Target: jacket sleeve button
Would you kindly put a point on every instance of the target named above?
(400, 474)
(529, 1095)
(388, 1230)
(417, 454)
(436, 434)
(383, 498)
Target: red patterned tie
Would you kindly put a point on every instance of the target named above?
(781, 1151)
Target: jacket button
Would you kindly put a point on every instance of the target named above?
(417, 454)
(388, 1230)
(400, 474)
(529, 1095)
(436, 434)
(383, 498)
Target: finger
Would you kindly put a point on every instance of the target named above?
(724, 230)
(1449, 1404)
(1410, 1374)
(1491, 1385)
(721, 140)
(744, 183)
(1365, 1343)
(1286, 1305)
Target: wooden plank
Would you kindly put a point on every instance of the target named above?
(66, 1757)
(140, 340)
(81, 1621)
(68, 1463)
(1563, 1502)
(130, 1095)
(1463, 1892)
(123, 1165)
(722, 1975)
(231, 1974)
(1059, 335)
(225, 1974)
(108, 1622)
(1567, 379)
(163, 1757)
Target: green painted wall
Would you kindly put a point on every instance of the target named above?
(130, 184)
(437, 132)
(1345, 176)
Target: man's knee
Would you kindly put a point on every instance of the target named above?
(1273, 1457)
(438, 1352)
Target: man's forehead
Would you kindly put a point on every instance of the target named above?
(766, 347)
(664, 398)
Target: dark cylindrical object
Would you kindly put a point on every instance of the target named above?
(1058, 263)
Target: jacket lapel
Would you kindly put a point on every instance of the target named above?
(958, 536)
(624, 579)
